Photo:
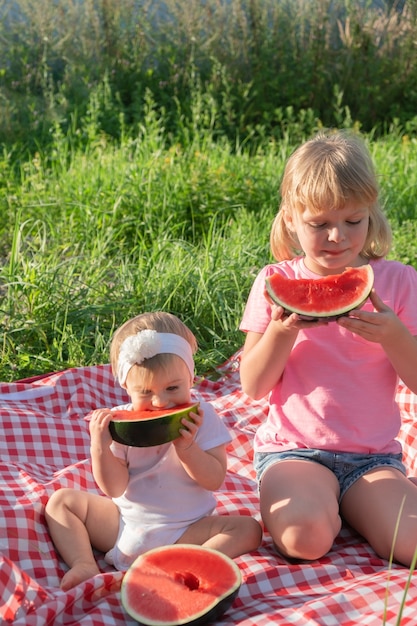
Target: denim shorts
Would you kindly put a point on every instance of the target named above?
(346, 466)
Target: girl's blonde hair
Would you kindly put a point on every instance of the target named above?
(325, 173)
(160, 321)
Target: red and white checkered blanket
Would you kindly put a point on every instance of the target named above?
(44, 445)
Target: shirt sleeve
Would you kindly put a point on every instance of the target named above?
(406, 305)
(257, 313)
(213, 432)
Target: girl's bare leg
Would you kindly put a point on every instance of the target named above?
(232, 535)
(78, 520)
(373, 505)
(299, 506)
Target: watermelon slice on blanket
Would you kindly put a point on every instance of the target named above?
(180, 584)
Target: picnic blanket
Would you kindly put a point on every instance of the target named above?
(45, 445)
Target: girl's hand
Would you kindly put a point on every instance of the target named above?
(189, 430)
(379, 326)
(99, 428)
(293, 321)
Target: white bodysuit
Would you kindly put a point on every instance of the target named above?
(161, 501)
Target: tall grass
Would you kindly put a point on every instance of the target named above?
(260, 62)
(96, 230)
(95, 234)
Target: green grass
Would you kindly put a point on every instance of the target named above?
(96, 231)
(98, 234)
(257, 61)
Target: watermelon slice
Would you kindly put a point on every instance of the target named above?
(180, 584)
(149, 428)
(326, 298)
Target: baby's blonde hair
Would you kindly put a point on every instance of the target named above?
(325, 173)
(160, 321)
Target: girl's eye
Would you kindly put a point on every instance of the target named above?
(173, 388)
(317, 226)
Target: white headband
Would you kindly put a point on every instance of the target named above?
(146, 344)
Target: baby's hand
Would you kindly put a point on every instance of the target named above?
(188, 431)
(99, 427)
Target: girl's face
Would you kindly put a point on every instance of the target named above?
(332, 239)
(162, 389)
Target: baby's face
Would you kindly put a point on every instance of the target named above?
(162, 389)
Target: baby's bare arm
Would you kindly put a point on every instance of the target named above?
(206, 467)
(110, 473)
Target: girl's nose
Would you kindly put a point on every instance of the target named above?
(336, 234)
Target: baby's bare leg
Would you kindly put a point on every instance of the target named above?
(75, 522)
(231, 534)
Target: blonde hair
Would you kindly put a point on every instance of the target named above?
(325, 173)
(161, 322)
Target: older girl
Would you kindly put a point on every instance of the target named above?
(327, 451)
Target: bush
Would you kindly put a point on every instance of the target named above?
(242, 68)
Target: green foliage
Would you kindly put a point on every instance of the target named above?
(241, 68)
(95, 230)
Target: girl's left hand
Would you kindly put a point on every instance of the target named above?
(378, 326)
(189, 430)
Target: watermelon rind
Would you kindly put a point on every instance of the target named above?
(155, 431)
(293, 294)
(154, 594)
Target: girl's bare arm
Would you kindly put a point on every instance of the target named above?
(383, 326)
(265, 355)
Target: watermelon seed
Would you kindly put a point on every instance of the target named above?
(188, 580)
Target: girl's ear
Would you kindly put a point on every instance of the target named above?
(288, 220)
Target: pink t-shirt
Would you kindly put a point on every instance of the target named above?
(337, 391)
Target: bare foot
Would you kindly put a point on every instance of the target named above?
(78, 574)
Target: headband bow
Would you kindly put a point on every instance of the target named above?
(148, 343)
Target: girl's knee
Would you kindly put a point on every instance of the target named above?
(401, 550)
(308, 538)
(308, 543)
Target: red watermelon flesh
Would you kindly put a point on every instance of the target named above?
(328, 297)
(149, 414)
(180, 584)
